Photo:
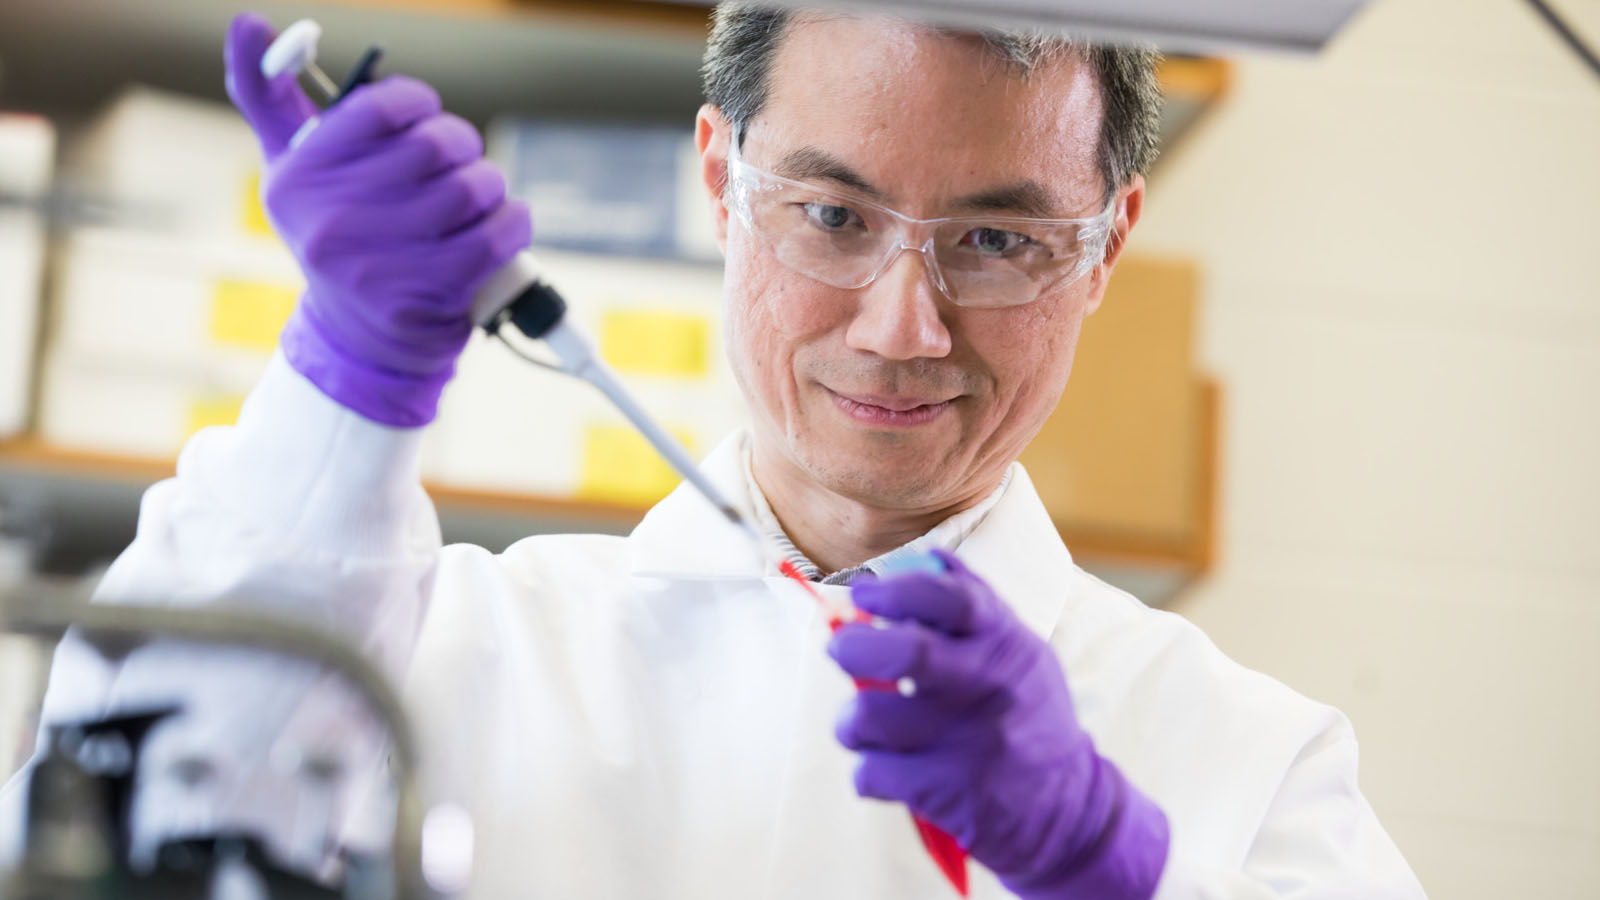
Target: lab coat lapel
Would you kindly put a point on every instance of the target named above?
(1017, 550)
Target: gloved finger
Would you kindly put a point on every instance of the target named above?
(448, 204)
(447, 268)
(880, 653)
(425, 149)
(950, 670)
(275, 109)
(934, 785)
(934, 600)
(473, 191)
(882, 720)
(478, 251)
(371, 112)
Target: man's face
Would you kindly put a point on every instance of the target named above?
(889, 394)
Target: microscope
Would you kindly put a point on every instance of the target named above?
(77, 833)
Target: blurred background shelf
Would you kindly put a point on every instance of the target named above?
(95, 497)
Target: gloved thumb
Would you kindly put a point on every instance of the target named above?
(275, 108)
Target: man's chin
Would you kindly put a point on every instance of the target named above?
(884, 477)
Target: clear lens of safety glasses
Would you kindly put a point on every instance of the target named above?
(845, 241)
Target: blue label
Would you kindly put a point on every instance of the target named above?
(594, 187)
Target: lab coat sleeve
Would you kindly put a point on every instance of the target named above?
(302, 509)
(1319, 840)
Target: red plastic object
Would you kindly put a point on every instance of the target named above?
(946, 853)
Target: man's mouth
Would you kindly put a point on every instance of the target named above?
(890, 411)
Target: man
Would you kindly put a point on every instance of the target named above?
(916, 223)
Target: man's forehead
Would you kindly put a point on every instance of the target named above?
(892, 108)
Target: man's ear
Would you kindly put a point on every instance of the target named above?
(711, 135)
(1130, 203)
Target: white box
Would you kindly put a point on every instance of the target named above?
(20, 690)
(90, 403)
(20, 659)
(155, 335)
(209, 306)
(27, 157)
(508, 426)
(169, 162)
(21, 264)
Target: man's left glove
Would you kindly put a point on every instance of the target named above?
(987, 746)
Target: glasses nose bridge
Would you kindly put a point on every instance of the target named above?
(906, 240)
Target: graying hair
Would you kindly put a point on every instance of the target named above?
(745, 37)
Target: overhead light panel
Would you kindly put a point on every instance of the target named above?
(1178, 26)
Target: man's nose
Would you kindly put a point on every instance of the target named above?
(898, 316)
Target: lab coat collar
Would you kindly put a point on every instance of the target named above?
(1015, 548)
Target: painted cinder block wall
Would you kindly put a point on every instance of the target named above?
(1401, 247)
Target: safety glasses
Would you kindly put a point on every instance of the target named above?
(844, 240)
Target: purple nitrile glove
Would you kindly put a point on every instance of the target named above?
(396, 219)
(988, 747)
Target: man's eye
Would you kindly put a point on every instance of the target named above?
(830, 217)
(995, 241)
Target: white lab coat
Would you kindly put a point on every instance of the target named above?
(652, 716)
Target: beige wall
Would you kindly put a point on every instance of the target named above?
(1401, 242)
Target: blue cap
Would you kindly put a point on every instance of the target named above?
(910, 563)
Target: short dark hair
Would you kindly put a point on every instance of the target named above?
(745, 38)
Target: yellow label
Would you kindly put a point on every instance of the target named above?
(656, 342)
(215, 409)
(249, 314)
(620, 466)
(252, 215)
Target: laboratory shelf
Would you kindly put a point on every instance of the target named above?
(32, 455)
(82, 507)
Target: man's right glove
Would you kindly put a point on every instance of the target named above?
(396, 219)
(988, 747)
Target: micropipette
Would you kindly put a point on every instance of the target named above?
(296, 50)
